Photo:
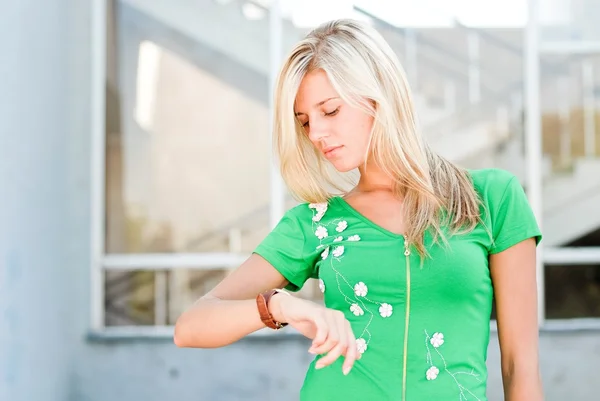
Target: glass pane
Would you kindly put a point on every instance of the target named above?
(570, 117)
(188, 146)
(147, 298)
(129, 298)
(572, 21)
(572, 292)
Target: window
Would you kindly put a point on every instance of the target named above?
(182, 174)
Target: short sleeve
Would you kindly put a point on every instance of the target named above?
(284, 248)
(513, 220)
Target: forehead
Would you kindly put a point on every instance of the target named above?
(314, 88)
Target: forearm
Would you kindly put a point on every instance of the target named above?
(522, 385)
(213, 323)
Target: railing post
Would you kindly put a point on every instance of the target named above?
(533, 135)
(277, 190)
(474, 67)
(589, 108)
(410, 49)
(564, 115)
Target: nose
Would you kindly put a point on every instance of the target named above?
(317, 131)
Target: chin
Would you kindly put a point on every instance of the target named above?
(344, 166)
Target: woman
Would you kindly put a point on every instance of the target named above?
(406, 260)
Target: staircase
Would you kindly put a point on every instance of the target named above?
(477, 137)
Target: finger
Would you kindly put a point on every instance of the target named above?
(321, 334)
(333, 336)
(332, 355)
(343, 327)
(351, 351)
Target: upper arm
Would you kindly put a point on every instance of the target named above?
(283, 258)
(253, 276)
(512, 258)
(513, 274)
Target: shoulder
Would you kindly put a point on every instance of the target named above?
(306, 214)
(491, 184)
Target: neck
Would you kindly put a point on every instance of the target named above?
(373, 179)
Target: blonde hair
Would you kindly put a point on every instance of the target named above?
(366, 73)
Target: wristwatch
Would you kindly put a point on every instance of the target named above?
(262, 302)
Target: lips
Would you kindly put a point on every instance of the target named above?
(331, 150)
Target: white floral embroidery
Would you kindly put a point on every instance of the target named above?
(338, 251)
(361, 345)
(321, 232)
(385, 310)
(342, 225)
(320, 207)
(432, 373)
(437, 340)
(357, 310)
(357, 297)
(360, 289)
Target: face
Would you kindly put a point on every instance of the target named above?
(338, 130)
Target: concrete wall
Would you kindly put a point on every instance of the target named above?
(46, 352)
(38, 279)
(273, 368)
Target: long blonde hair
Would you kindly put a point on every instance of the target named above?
(365, 72)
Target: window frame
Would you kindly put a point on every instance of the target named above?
(101, 262)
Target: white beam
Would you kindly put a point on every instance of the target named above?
(97, 160)
(170, 261)
(277, 204)
(572, 256)
(571, 47)
(533, 134)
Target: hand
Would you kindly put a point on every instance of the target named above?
(328, 328)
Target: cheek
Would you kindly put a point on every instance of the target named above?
(362, 131)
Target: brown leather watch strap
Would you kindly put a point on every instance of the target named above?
(262, 302)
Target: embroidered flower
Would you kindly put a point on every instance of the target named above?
(338, 251)
(437, 340)
(385, 310)
(354, 238)
(338, 239)
(432, 373)
(360, 289)
(325, 253)
(321, 285)
(321, 232)
(341, 226)
(319, 207)
(357, 310)
(361, 345)
(320, 246)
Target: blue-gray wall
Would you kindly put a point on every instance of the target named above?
(37, 278)
(46, 352)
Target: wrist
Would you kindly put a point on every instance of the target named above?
(275, 306)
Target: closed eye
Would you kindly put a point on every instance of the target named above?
(330, 114)
(333, 113)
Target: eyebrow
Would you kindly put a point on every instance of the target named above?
(321, 103)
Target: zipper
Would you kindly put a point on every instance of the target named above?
(407, 317)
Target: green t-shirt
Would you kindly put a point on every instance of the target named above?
(439, 311)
